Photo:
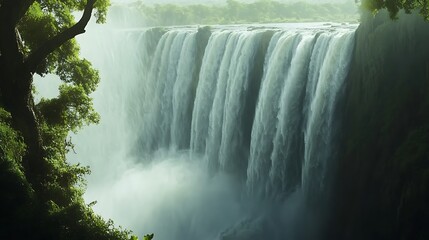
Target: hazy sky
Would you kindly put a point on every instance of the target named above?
(217, 1)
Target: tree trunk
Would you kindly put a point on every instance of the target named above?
(21, 106)
(16, 77)
(16, 98)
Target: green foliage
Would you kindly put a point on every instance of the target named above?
(51, 206)
(77, 71)
(73, 107)
(70, 110)
(47, 18)
(57, 211)
(393, 6)
(235, 12)
(15, 189)
(11, 144)
(148, 237)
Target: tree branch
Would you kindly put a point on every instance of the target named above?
(35, 58)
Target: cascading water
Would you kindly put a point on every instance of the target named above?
(218, 133)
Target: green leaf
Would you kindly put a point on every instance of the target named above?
(148, 237)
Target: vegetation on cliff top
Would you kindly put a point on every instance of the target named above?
(235, 12)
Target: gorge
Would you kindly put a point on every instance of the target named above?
(283, 131)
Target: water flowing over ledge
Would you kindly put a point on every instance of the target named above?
(260, 104)
(241, 118)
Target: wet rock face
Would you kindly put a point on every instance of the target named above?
(383, 168)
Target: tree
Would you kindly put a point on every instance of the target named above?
(37, 37)
(393, 6)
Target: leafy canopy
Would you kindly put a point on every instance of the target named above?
(393, 6)
(44, 20)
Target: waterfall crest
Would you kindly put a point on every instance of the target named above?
(250, 111)
(261, 107)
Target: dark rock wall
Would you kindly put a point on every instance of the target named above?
(382, 185)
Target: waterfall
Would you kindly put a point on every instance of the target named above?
(250, 110)
(289, 143)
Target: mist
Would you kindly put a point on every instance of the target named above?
(172, 197)
(168, 193)
(177, 13)
(245, 120)
(210, 2)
